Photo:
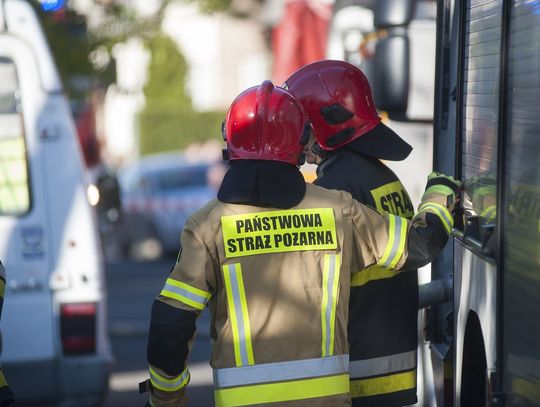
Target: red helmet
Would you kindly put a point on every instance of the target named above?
(265, 123)
(337, 99)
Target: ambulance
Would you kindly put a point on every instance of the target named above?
(55, 348)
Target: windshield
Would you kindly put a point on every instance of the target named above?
(14, 188)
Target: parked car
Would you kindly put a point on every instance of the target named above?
(158, 193)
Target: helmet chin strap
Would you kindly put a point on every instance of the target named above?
(318, 150)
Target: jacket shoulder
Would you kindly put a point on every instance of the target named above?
(325, 196)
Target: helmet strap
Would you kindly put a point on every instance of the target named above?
(225, 154)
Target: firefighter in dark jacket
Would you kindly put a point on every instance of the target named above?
(6, 395)
(350, 141)
(271, 258)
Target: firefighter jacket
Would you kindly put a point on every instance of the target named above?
(6, 395)
(277, 285)
(383, 306)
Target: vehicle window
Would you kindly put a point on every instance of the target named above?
(182, 178)
(521, 226)
(14, 187)
(480, 109)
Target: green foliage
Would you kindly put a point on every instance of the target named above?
(166, 75)
(66, 34)
(165, 131)
(210, 6)
(168, 121)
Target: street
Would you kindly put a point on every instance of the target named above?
(132, 287)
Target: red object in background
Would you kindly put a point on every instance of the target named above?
(300, 37)
(86, 129)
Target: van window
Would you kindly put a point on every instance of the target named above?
(14, 187)
(480, 110)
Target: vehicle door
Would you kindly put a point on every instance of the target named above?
(27, 324)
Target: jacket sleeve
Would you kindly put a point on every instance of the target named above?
(395, 243)
(185, 293)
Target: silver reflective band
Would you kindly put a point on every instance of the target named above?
(400, 223)
(240, 317)
(382, 365)
(329, 307)
(441, 212)
(281, 371)
(173, 384)
(199, 299)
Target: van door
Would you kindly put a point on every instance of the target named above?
(24, 247)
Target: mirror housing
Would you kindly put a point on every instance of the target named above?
(391, 72)
(393, 13)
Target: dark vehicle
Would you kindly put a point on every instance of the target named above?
(158, 193)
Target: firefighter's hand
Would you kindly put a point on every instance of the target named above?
(439, 183)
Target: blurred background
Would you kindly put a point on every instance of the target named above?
(148, 83)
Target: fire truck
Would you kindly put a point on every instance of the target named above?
(483, 302)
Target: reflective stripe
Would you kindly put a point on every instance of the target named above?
(281, 371)
(329, 301)
(371, 273)
(397, 233)
(185, 293)
(489, 213)
(287, 391)
(382, 365)
(383, 384)
(441, 211)
(3, 382)
(439, 189)
(162, 383)
(2, 288)
(238, 314)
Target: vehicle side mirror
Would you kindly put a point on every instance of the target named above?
(391, 72)
(392, 13)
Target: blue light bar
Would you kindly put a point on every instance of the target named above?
(52, 5)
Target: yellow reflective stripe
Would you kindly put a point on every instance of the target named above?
(279, 231)
(185, 293)
(331, 268)
(238, 314)
(439, 189)
(2, 288)
(442, 212)
(3, 382)
(163, 383)
(371, 273)
(284, 391)
(383, 384)
(397, 236)
(489, 213)
(527, 389)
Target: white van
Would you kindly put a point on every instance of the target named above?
(55, 346)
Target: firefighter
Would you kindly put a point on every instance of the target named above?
(350, 141)
(6, 395)
(270, 257)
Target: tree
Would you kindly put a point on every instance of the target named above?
(168, 121)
